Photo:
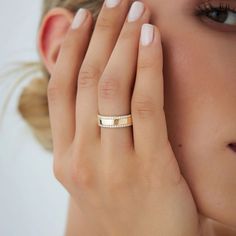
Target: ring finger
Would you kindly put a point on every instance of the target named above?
(116, 83)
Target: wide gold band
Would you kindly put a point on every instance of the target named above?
(114, 121)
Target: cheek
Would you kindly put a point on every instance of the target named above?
(200, 98)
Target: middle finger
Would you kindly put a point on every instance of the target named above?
(106, 32)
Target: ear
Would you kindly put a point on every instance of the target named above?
(51, 33)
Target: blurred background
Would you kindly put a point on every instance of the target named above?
(32, 201)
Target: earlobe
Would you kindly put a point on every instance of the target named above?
(51, 33)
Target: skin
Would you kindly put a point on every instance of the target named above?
(197, 56)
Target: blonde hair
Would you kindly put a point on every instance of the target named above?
(33, 105)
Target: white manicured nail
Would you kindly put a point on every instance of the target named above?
(79, 18)
(111, 3)
(147, 34)
(135, 11)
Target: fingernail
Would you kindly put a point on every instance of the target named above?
(147, 34)
(111, 3)
(79, 18)
(136, 11)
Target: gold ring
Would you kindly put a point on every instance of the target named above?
(115, 121)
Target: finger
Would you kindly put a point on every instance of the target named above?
(63, 82)
(107, 29)
(115, 86)
(149, 125)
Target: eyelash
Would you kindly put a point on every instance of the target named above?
(207, 7)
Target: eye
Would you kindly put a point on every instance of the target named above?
(223, 14)
(226, 17)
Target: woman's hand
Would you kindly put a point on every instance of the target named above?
(126, 181)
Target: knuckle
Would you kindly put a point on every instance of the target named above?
(117, 183)
(127, 34)
(88, 76)
(109, 87)
(58, 170)
(119, 180)
(104, 23)
(145, 63)
(143, 106)
(173, 173)
(81, 175)
(68, 42)
(53, 91)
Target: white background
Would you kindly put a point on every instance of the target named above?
(32, 202)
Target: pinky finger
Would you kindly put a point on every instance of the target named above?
(63, 82)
